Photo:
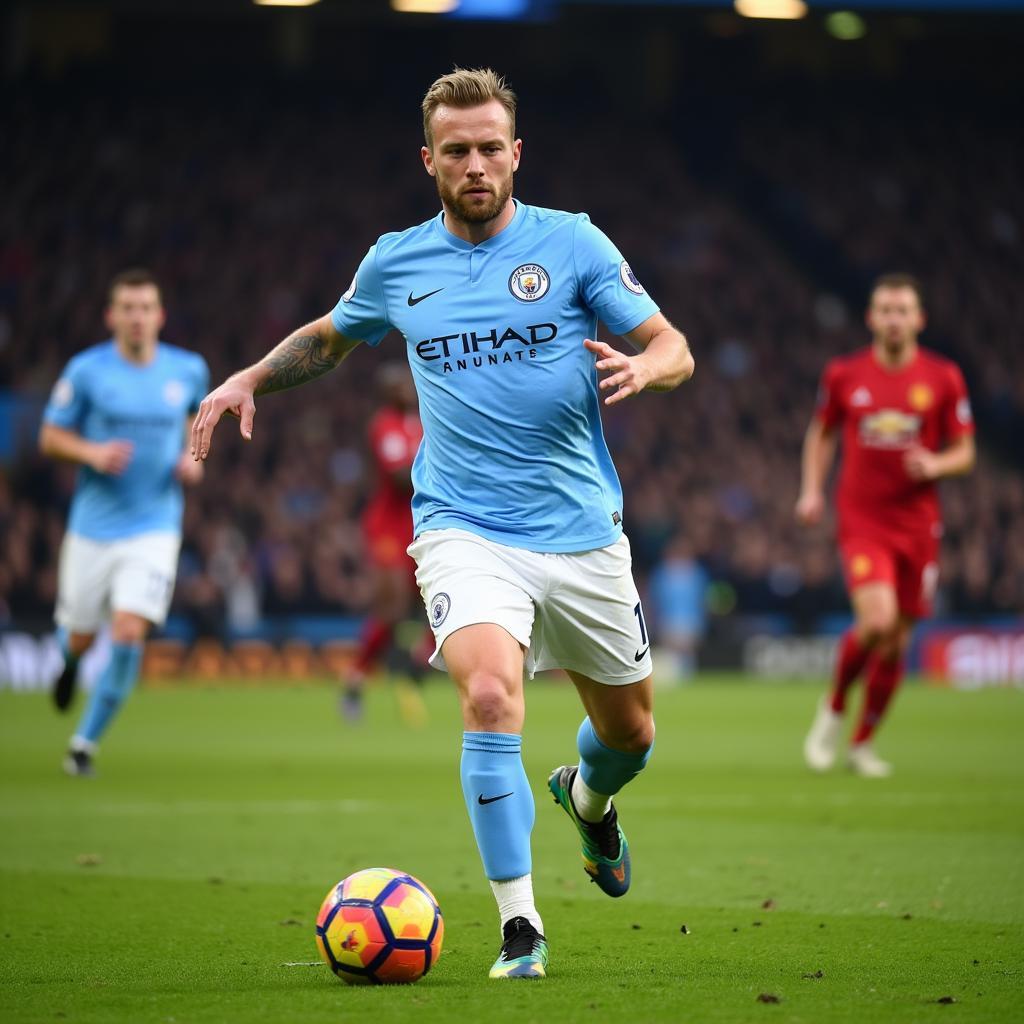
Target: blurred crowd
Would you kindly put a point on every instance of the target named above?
(254, 216)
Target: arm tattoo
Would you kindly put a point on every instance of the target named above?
(298, 359)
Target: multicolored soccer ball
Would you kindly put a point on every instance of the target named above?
(380, 927)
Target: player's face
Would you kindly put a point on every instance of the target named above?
(135, 316)
(473, 160)
(895, 317)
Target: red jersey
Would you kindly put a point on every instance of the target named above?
(394, 439)
(883, 413)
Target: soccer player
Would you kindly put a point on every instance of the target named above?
(520, 553)
(394, 434)
(906, 423)
(121, 409)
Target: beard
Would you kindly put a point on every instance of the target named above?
(474, 210)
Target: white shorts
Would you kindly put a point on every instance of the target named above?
(578, 611)
(96, 577)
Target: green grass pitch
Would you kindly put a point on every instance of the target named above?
(181, 884)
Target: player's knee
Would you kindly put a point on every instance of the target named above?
(632, 737)
(490, 701)
(128, 629)
(79, 643)
(879, 628)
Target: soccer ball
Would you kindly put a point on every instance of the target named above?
(379, 927)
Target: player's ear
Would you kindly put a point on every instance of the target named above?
(108, 318)
(428, 161)
(517, 150)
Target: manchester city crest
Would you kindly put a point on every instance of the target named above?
(440, 605)
(529, 282)
(174, 393)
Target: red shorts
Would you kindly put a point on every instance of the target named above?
(910, 564)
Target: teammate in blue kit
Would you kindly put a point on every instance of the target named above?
(122, 410)
(520, 554)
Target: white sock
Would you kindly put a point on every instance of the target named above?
(590, 806)
(80, 743)
(515, 899)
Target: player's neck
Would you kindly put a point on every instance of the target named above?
(139, 355)
(897, 360)
(477, 233)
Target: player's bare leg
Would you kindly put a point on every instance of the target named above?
(615, 742)
(486, 663)
(127, 633)
(876, 620)
(73, 647)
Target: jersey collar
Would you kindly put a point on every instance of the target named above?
(488, 244)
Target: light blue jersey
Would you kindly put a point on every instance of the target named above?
(104, 397)
(513, 448)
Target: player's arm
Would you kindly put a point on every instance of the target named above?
(110, 457)
(819, 453)
(662, 363)
(304, 355)
(956, 459)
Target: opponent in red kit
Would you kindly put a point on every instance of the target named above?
(905, 422)
(395, 433)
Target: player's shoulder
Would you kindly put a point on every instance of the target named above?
(379, 419)
(849, 363)
(556, 223)
(392, 242)
(937, 363)
(91, 359)
(177, 363)
(543, 215)
(179, 354)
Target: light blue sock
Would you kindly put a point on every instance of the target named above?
(111, 689)
(499, 801)
(605, 770)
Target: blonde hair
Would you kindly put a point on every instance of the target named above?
(464, 87)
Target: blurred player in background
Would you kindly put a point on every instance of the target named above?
(394, 435)
(122, 410)
(906, 423)
(520, 554)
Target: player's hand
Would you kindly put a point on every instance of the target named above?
(920, 464)
(188, 471)
(234, 397)
(111, 457)
(810, 508)
(627, 374)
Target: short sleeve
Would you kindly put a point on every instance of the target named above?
(69, 399)
(200, 384)
(957, 418)
(361, 313)
(829, 409)
(608, 286)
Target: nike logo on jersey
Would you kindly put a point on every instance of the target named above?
(419, 298)
(639, 654)
(481, 799)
